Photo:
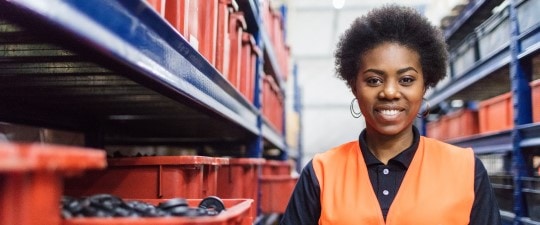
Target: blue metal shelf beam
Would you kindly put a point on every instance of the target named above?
(501, 142)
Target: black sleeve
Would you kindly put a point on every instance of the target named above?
(485, 210)
(304, 206)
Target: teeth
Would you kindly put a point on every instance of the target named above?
(389, 112)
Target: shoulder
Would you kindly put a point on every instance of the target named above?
(436, 145)
(341, 151)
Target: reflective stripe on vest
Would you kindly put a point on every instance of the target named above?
(438, 188)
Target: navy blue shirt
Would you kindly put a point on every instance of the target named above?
(305, 207)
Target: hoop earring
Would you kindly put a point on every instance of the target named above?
(353, 113)
(426, 109)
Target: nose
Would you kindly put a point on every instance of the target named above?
(390, 91)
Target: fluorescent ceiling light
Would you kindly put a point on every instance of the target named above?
(338, 4)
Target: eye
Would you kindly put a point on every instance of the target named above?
(374, 81)
(407, 80)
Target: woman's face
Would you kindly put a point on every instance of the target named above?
(389, 88)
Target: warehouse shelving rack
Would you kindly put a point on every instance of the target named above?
(117, 72)
(493, 50)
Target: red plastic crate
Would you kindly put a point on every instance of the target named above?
(462, 123)
(276, 191)
(437, 129)
(276, 167)
(284, 61)
(272, 107)
(183, 15)
(250, 53)
(158, 5)
(496, 114)
(31, 180)
(150, 177)
(240, 179)
(211, 175)
(237, 25)
(238, 212)
(535, 92)
(225, 9)
(208, 22)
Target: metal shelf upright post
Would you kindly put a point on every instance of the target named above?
(521, 92)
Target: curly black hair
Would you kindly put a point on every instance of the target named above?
(396, 24)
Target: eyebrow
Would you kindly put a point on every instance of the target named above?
(400, 71)
(406, 69)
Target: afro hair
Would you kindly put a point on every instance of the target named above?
(395, 24)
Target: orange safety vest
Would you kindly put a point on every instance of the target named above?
(438, 188)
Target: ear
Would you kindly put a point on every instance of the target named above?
(353, 91)
(352, 84)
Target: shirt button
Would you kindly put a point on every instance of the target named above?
(386, 171)
(385, 192)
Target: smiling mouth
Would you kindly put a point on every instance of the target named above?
(389, 112)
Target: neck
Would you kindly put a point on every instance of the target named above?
(385, 147)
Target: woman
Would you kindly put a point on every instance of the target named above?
(392, 175)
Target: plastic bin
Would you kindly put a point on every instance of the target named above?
(272, 107)
(462, 123)
(535, 92)
(31, 180)
(237, 25)
(250, 53)
(437, 129)
(276, 167)
(211, 176)
(276, 191)
(184, 16)
(465, 56)
(238, 212)
(496, 114)
(150, 178)
(240, 179)
(208, 16)
(225, 9)
(494, 33)
(527, 15)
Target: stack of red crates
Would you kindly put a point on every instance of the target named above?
(219, 32)
(249, 55)
(152, 177)
(494, 114)
(458, 124)
(274, 26)
(461, 123)
(277, 185)
(273, 103)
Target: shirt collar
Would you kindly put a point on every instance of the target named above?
(404, 158)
